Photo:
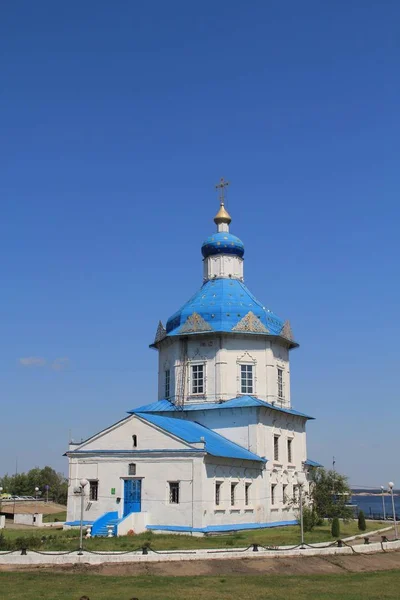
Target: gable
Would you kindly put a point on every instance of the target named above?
(119, 437)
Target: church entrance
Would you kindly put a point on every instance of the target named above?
(132, 496)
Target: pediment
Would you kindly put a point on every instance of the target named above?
(250, 323)
(195, 324)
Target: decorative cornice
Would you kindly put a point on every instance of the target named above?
(195, 324)
(250, 323)
(161, 333)
(287, 332)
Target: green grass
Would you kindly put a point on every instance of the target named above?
(61, 516)
(57, 586)
(277, 536)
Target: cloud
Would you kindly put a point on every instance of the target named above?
(32, 361)
(59, 364)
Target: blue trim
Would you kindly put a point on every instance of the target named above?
(220, 528)
(312, 463)
(240, 402)
(78, 523)
(134, 452)
(192, 432)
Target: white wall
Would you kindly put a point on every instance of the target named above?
(28, 519)
(239, 473)
(223, 265)
(155, 474)
(222, 355)
(120, 437)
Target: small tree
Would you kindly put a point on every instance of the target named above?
(329, 493)
(335, 530)
(362, 526)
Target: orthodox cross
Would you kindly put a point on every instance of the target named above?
(221, 187)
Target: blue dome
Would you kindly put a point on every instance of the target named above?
(222, 243)
(221, 304)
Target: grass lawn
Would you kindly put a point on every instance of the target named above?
(61, 516)
(348, 586)
(277, 536)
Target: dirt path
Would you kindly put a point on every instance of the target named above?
(312, 565)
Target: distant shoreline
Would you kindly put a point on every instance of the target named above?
(373, 494)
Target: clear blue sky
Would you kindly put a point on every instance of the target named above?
(117, 119)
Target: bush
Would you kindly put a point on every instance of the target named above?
(310, 518)
(335, 530)
(362, 526)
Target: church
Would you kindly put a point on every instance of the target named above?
(221, 449)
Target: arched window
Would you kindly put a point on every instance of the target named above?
(132, 469)
(134, 441)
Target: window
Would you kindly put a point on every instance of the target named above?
(284, 489)
(276, 447)
(174, 492)
(134, 441)
(273, 486)
(197, 379)
(93, 490)
(218, 486)
(280, 384)
(246, 379)
(294, 493)
(247, 493)
(289, 451)
(132, 469)
(167, 383)
(233, 494)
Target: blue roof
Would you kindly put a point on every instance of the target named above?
(191, 432)
(241, 402)
(312, 463)
(222, 243)
(222, 304)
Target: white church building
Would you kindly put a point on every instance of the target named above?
(221, 449)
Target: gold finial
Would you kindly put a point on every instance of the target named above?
(222, 216)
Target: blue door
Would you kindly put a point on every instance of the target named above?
(132, 496)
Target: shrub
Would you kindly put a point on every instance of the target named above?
(335, 530)
(362, 526)
(310, 518)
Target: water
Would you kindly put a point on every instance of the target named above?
(372, 506)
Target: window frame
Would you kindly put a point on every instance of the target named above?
(290, 450)
(167, 383)
(93, 485)
(217, 493)
(247, 487)
(234, 485)
(276, 448)
(132, 469)
(284, 493)
(196, 388)
(273, 494)
(281, 391)
(246, 381)
(174, 492)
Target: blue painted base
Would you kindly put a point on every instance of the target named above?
(220, 528)
(78, 523)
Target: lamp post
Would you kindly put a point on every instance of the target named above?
(83, 483)
(391, 486)
(383, 502)
(300, 481)
(36, 497)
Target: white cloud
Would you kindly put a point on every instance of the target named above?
(32, 361)
(59, 364)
